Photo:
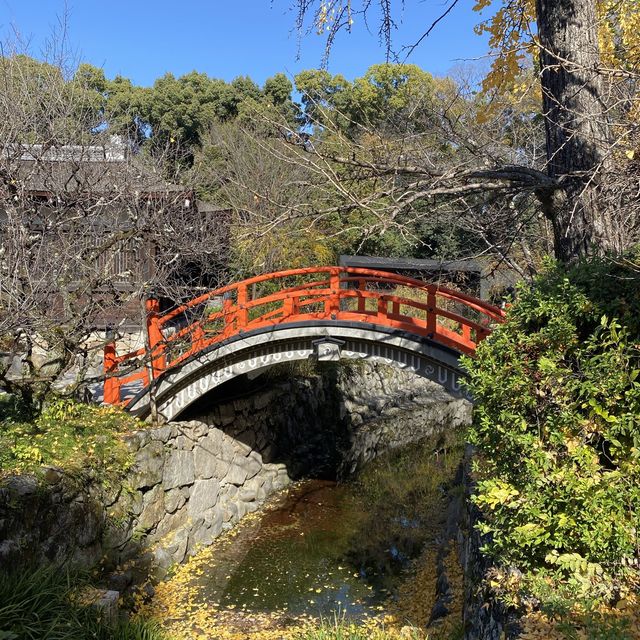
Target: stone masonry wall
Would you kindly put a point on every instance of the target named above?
(189, 482)
(331, 424)
(196, 478)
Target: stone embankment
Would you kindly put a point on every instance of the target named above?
(189, 482)
(193, 479)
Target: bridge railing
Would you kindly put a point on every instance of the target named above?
(316, 294)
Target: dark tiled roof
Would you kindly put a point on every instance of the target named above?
(90, 177)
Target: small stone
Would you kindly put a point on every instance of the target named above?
(174, 499)
(107, 605)
(52, 475)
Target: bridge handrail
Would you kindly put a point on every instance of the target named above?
(373, 275)
(330, 290)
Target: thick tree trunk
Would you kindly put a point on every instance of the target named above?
(576, 127)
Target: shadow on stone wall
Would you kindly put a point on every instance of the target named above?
(196, 478)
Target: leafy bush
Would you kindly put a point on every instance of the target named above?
(43, 603)
(67, 434)
(557, 427)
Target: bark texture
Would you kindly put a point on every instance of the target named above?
(576, 128)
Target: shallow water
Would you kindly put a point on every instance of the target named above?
(298, 556)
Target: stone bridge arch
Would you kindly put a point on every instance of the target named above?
(253, 352)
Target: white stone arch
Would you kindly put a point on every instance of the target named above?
(252, 352)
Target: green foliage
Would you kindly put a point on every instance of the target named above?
(48, 603)
(342, 630)
(74, 436)
(557, 427)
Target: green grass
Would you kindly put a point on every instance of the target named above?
(43, 603)
(340, 630)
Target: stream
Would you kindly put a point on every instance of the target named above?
(317, 551)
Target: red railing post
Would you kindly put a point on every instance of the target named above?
(362, 301)
(197, 339)
(156, 339)
(227, 313)
(242, 315)
(466, 336)
(431, 312)
(287, 308)
(111, 387)
(383, 309)
(332, 305)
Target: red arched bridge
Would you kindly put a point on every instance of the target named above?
(326, 313)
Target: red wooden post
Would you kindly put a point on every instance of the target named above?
(362, 301)
(227, 313)
(466, 336)
(287, 308)
(111, 388)
(383, 308)
(156, 339)
(332, 305)
(242, 315)
(197, 339)
(431, 312)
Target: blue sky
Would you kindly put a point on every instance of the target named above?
(144, 39)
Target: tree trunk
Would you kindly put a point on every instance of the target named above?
(576, 127)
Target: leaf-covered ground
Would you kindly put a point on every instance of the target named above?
(184, 606)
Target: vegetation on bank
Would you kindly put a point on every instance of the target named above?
(78, 438)
(54, 604)
(557, 431)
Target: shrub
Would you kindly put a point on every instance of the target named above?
(557, 427)
(70, 435)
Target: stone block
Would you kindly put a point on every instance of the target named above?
(205, 461)
(230, 512)
(222, 468)
(204, 495)
(241, 448)
(136, 440)
(179, 470)
(162, 558)
(149, 464)
(152, 509)
(184, 443)
(197, 428)
(253, 467)
(249, 491)
(201, 536)
(21, 486)
(173, 500)
(171, 522)
(164, 433)
(178, 545)
(236, 475)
